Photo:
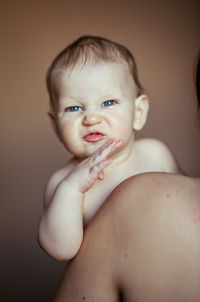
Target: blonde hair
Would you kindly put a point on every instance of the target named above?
(91, 49)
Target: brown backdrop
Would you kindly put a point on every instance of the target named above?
(164, 37)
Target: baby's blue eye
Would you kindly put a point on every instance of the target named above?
(73, 108)
(108, 103)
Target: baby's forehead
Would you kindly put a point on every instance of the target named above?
(106, 79)
(91, 71)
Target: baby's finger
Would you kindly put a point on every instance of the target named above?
(106, 149)
(108, 144)
(116, 145)
(101, 175)
(96, 169)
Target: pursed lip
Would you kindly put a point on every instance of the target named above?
(93, 136)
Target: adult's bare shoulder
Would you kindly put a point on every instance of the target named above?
(142, 245)
(150, 199)
(148, 187)
(158, 237)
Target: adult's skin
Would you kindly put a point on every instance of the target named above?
(142, 246)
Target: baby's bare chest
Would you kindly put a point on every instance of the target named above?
(94, 199)
(98, 194)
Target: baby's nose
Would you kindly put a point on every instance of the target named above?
(92, 119)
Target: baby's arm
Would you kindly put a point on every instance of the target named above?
(61, 225)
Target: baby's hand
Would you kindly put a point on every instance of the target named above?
(91, 169)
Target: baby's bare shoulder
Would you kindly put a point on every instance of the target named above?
(157, 152)
(152, 143)
(56, 178)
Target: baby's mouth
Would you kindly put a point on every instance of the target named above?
(93, 136)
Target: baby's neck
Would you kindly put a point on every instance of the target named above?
(123, 156)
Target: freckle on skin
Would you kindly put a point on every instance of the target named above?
(125, 255)
(83, 298)
(167, 195)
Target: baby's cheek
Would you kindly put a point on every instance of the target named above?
(66, 129)
(69, 135)
(123, 125)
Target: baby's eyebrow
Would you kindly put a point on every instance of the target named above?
(68, 100)
(110, 94)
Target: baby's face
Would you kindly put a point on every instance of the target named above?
(95, 104)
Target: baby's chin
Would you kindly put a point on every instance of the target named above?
(90, 149)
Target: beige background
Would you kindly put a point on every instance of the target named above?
(164, 37)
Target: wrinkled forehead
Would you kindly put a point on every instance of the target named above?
(113, 72)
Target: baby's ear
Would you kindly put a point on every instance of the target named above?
(54, 124)
(141, 111)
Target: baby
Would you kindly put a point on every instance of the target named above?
(96, 102)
